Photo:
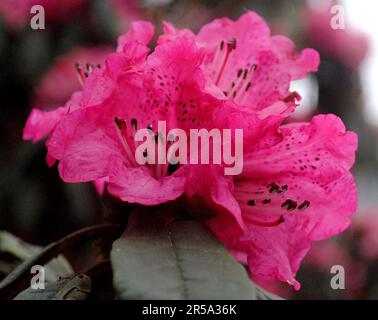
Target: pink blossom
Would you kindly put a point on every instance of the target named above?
(95, 139)
(287, 196)
(246, 64)
(17, 14)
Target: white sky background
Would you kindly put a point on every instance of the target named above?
(363, 15)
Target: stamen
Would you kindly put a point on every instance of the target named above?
(121, 128)
(304, 205)
(239, 81)
(134, 126)
(80, 74)
(273, 187)
(172, 168)
(267, 223)
(89, 68)
(289, 204)
(217, 54)
(283, 188)
(246, 84)
(292, 97)
(230, 46)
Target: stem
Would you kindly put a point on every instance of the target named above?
(20, 278)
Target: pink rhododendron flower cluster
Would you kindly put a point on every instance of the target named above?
(232, 74)
(17, 14)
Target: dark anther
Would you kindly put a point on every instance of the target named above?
(283, 188)
(304, 205)
(266, 201)
(273, 187)
(134, 123)
(172, 168)
(231, 45)
(292, 97)
(289, 204)
(89, 67)
(251, 202)
(222, 45)
(245, 74)
(121, 123)
(145, 153)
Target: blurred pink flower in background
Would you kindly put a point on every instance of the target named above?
(326, 254)
(17, 12)
(61, 80)
(348, 45)
(366, 225)
(55, 88)
(126, 11)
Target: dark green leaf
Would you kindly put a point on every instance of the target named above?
(71, 288)
(265, 295)
(161, 258)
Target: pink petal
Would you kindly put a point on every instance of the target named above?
(276, 253)
(100, 185)
(322, 149)
(275, 57)
(85, 142)
(215, 189)
(170, 33)
(136, 185)
(139, 31)
(41, 123)
(176, 84)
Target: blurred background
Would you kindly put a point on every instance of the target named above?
(37, 69)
